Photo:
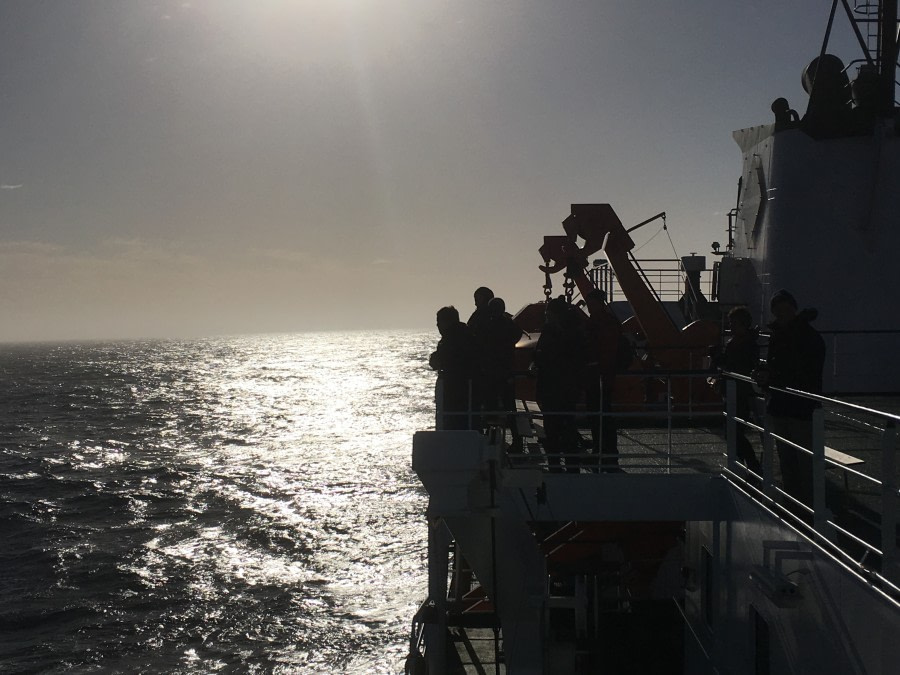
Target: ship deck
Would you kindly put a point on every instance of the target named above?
(855, 460)
(852, 444)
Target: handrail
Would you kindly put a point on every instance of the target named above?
(823, 523)
(697, 408)
(821, 530)
(815, 397)
(884, 423)
(664, 275)
(889, 588)
(871, 331)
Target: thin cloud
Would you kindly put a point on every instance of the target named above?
(11, 187)
(31, 248)
(282, 255)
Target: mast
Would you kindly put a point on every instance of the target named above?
(887, 54)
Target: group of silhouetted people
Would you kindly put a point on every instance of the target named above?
(476, 362)
(575, 359)
(795, 358)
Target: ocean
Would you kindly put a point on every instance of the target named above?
(235, 504)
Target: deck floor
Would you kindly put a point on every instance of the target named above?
(855, 502)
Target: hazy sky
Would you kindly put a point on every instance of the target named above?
(233, 166)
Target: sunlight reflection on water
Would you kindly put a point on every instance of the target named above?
(248, 502)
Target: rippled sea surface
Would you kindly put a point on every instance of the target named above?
(231, 504)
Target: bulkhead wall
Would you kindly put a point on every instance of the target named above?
(830, 620)
(821, 218)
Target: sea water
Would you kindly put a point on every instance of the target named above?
(238, 504)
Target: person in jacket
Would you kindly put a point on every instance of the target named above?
(498, 364)
(455, 361)
(478, 326)
(479, 318)
(559, 361)
(795, 359)
(741, 355)
(604, 337)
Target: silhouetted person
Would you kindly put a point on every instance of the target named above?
(795, 359)
(604, 337)
(741, 355)
(483, 295)
(559, 361)
(454, 359)
(500, 337)
(478, 325)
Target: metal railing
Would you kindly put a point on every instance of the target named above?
(665, 414)
(879, 492)
(878, 495)
(666, 277)
(871, 552)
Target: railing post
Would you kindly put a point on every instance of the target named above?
(439, 403)
(691, 381)
(669, 416)
(436, 632)
(889, 503)
(469, 414)
(602, 421)
(768, 463)
(818, 470)
(730, 423)
(834, 356)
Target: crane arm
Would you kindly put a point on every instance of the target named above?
(601, 230)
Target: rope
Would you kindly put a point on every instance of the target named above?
(684, 275)
(677, 257)
(650, 239)
(671, 243)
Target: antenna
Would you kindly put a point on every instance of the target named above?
(887, 54)
(880, 45)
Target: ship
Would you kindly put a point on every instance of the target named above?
(684, 559)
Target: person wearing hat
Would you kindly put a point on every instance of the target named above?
(795, 359)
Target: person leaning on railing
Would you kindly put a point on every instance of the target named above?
(795, 359)
(498, 362)
(455, 361)
(741, 355)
